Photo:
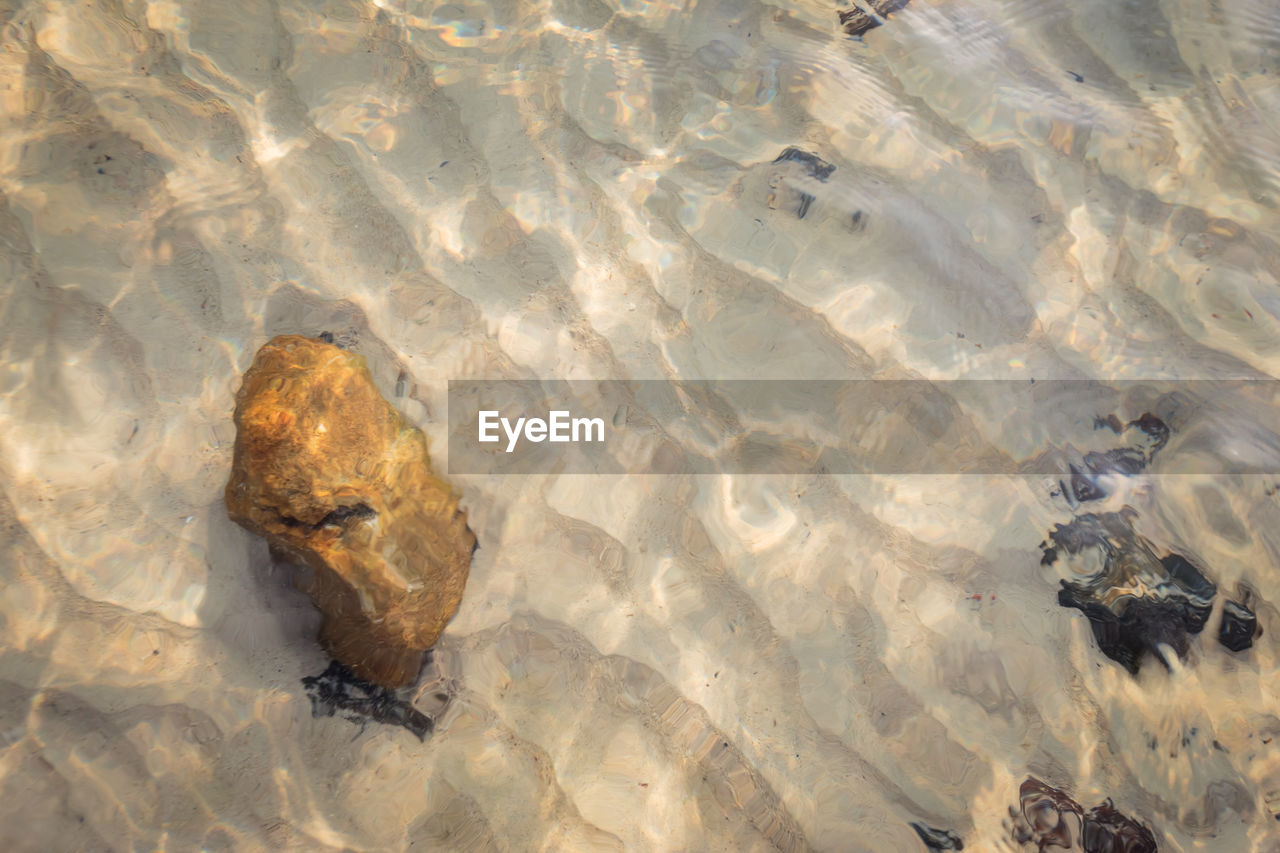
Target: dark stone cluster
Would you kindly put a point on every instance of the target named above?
(1136, 602)
(1049, 818)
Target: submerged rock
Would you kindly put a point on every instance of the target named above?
(1135, 601)
(1050, 819)
(1151, 435)
(814, 166)
(334, 477)
(886, 8)
(337, 692)
(1239, 624)
(856, 21)
(937, 839)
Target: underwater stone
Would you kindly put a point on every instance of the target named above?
(886, 8)
(1239, 624)
(1083, 488)
(334, 477)
(1051, 819)
(336, 692)
(1134, 601)
(1156, 430)
(1125, 461)
(856, 22)
(1200, 591)
(816, 167)
(937, 839)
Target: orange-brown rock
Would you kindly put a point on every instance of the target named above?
(331, 474)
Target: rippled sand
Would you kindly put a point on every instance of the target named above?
(573, 189)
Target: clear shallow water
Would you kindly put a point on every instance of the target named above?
(580, 190)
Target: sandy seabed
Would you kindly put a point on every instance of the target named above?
(576, 189)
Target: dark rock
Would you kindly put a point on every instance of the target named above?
(1084, 488)
(1134, 602)
(1124, 461)
(1200, 590)
(1239, 624)
(1050, 819)
(1143, 626)
(1155, 429)
(886, 8)
(1110, 422)
(856, 22)
(937, 839)
(337, 691)
(1115, 639)
(814, 165)
(1108, 831)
